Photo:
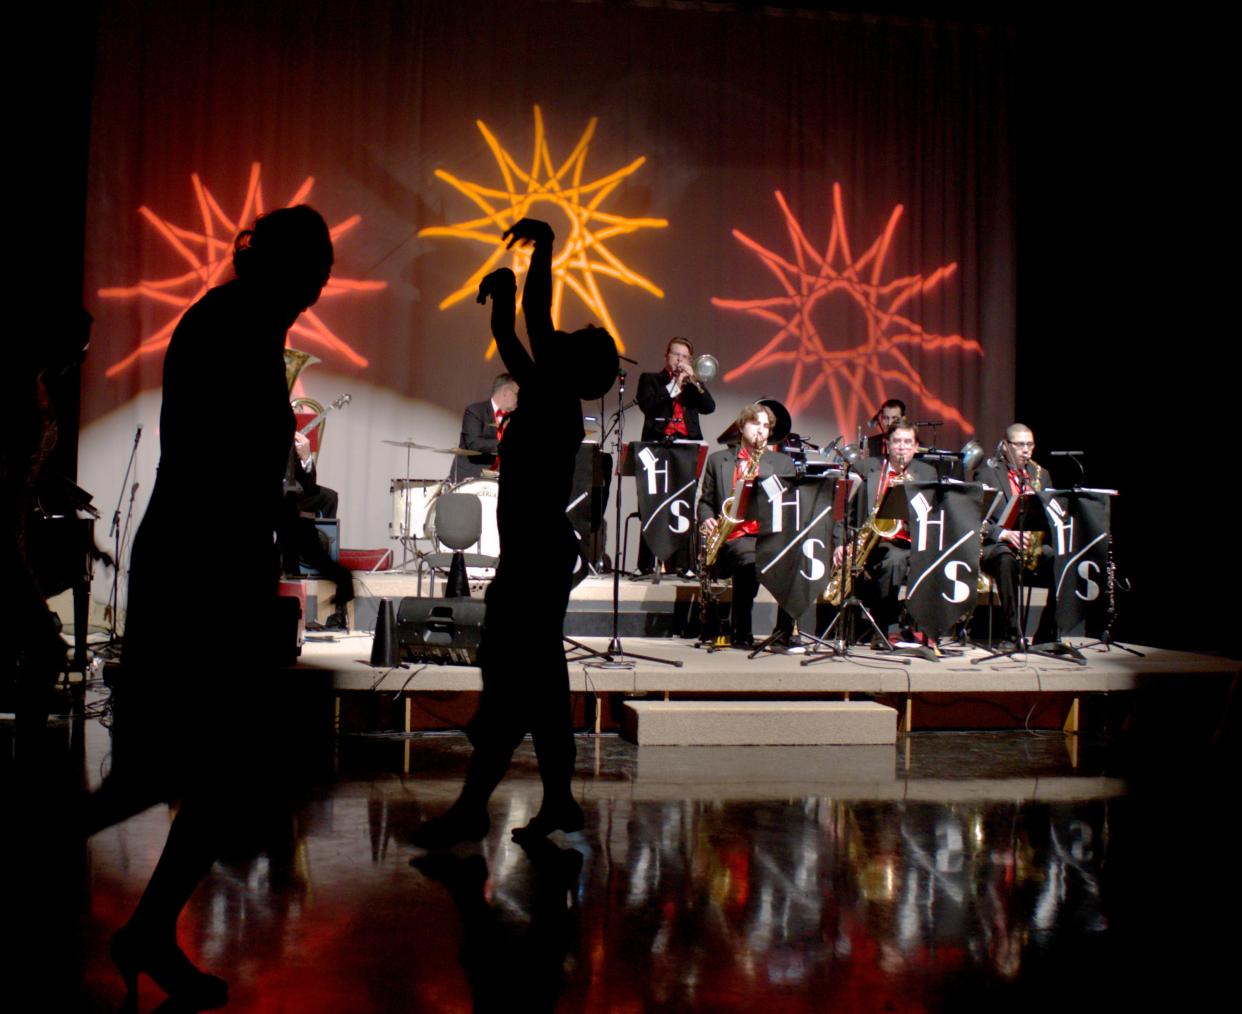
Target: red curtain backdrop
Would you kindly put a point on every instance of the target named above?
(893, 134)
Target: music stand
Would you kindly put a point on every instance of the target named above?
(615, 656)
(780, 642)
(1030, 518)
(841, 647)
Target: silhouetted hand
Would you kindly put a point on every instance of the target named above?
(529, 230)
(500, 282)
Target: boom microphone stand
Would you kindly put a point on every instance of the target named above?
(115, 532)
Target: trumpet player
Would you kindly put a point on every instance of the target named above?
(672, 401)
(738, 468)
(888, 562)
(1010, 473)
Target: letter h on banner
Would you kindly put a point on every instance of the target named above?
(775, 491)
(926, 522)
(655, 470)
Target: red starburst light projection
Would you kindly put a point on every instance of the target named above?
(858, 375)
(208, 251)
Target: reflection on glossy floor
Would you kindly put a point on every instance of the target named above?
(969, 872)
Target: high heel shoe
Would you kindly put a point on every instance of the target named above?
(566, 816)
(167, 966)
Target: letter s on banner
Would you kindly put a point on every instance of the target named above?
(817, 566)
(678, 512)
(961, 590)
(1085, 568)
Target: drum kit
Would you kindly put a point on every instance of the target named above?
(414, 507)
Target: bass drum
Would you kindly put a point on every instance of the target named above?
(411, 500)
(488, 492)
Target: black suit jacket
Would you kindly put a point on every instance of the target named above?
(657, 406)
(718, 477)
(478, 433)
(996, 475)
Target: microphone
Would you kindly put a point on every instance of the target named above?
(1064, 454)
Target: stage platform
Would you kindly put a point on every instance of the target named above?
(953, 691)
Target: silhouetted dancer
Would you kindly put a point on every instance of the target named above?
(186, 717)
(525, 676)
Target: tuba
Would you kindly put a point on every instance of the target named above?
(295, 362)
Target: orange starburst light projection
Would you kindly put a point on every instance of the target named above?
(583, 256)
(208, 251)
(858, 375)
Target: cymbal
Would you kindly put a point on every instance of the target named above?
(424, 447)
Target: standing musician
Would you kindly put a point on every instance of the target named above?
(889, 561)
(739, 468)
(1012, 472)
(884, 418)
(672, 401)
(482, 426)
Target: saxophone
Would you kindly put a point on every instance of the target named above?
(710, 547)
(872, 530)
(1034, 540)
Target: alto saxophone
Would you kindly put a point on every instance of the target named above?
(872, 530)
(713, 540)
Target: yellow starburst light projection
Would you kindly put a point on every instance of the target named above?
(208, 251)
(582, 257)
(852, 375)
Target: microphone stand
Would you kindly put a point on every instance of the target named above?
(615, 656)
(115, 532)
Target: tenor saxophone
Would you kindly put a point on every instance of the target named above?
(712, 541)
(872, 530)
(1034, 540)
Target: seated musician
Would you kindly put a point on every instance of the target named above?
(672, 401)
(725, 472)
(301, 539)
(482, 425)
(885, 417)
(888, 562)
(1005, 550)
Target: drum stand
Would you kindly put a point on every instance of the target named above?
(615, 656)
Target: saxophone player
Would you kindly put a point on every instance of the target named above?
(889, 561)
(1010, 473)
(739, 468)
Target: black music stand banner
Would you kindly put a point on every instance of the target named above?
(793, 553)
(1078, 528)
(942, 585)
(667, 479)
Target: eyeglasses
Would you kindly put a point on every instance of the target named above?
(1022, 443)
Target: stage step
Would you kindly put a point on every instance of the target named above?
(759, 723)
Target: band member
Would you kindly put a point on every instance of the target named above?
(888, 562)
(482, 425)
(1012, 472)
(672, 401)
(884, 418)
(302, 540)
(721, 475)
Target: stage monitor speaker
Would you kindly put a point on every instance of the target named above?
(446, 631)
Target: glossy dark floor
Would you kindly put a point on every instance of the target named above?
(955, 872)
